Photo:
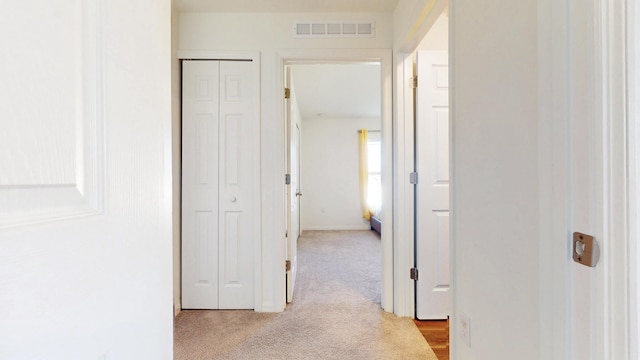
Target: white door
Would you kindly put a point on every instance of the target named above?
(85, 181)
(432, 190)
(218, 185)
(295, 183)
(293, 197)
(294, 229)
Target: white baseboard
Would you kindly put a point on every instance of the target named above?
(176, 309)
(357, 227)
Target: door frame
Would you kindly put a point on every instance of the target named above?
(606, 63)
(384, 57)
(633, 137)
(254, 58)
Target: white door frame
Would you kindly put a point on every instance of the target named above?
(287, 57)
(602, 58)
(254, 57)
(633, 137)
(404, 204)
(618, 260)
(404, 157)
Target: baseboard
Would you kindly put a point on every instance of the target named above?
(357, 227)
(176, 309)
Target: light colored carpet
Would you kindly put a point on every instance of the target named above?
(335, 312)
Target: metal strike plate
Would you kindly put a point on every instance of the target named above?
(586, 250)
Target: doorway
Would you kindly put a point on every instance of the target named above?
(427, 123)
(334, 107)
(383, 60)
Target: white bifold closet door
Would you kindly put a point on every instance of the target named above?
(219, 177)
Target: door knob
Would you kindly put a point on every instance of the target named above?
(298, 193)
(234, 199)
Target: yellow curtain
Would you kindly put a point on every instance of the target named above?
(364, 175)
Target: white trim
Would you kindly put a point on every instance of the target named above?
(633, 138)
(404, 299)
(453, 244)
(615, 331)
(285, 57)
(559, 101)
(218, 55)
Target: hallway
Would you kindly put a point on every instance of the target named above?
(335, 312)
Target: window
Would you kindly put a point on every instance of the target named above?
(374, 155)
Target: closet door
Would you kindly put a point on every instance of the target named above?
(236, 184)
(200, 120)
(220, 173)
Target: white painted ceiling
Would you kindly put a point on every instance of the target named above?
(285, 5)
(337, 90)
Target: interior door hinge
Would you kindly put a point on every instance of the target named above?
(413, 274)
(287, 265)
(287, 179)
(414, 82)
(413, 178)
(287, 93)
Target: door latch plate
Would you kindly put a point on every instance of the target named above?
(586, 250)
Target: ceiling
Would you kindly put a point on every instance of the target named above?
(337, 90)
(285, 5)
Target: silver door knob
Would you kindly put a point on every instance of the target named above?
(234, 199)
(298, 193)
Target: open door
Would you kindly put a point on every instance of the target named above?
(432, 189)
(293, 192)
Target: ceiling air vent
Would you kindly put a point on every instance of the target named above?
(324, 29)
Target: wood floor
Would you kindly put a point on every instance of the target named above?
(436, 332)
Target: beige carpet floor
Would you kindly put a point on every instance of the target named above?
(335, 313)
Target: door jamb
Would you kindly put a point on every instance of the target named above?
(633, 138)
(404, 205)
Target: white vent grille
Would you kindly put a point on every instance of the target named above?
(320, 29)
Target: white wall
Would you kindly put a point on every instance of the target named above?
(437, 37)
(272, 31)
(412, 19)
(271, 34)
(495, 172)
(176, 131)
(495, 189)
(89, 90)
(330, 173)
